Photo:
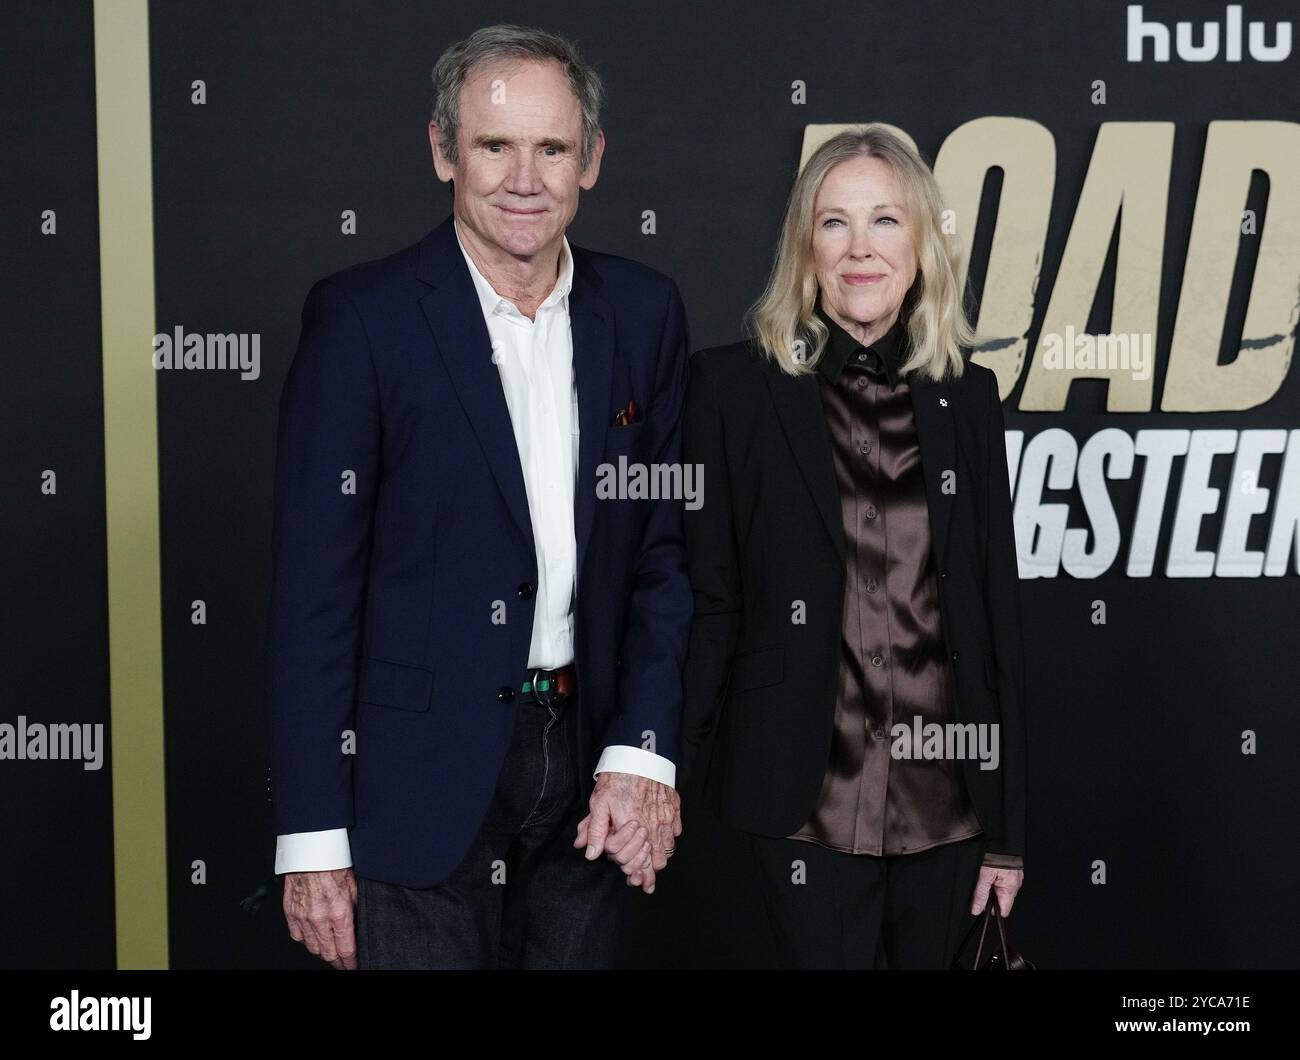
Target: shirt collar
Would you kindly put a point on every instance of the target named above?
(493, 302)
(842, 348)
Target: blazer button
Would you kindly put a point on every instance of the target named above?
(954, 656)
(525, 590)
(506, 694)
(943, 574)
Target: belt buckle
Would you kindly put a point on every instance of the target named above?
(547, 698)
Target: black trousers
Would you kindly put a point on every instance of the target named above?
(829, 909)
(523, 897)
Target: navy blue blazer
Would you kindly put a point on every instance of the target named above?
(401, 527)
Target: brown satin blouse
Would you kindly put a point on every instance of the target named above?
(893, 666)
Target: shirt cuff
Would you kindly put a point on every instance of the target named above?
(1004, 861)
(621, 758)
(313, 851)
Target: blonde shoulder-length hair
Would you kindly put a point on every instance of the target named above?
(783, 322)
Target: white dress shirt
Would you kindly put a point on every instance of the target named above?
(535, 359)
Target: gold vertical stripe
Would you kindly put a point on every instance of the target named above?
(126, 278)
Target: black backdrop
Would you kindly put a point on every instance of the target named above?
(316, 108)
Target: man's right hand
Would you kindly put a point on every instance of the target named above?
(318, 907)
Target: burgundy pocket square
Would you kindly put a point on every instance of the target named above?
(625, 417)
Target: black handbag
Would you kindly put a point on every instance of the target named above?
(978, 953)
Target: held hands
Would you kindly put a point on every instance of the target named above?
(1005, 883)
(318, 907)
(635, 821)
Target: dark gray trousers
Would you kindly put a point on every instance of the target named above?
(523, 897)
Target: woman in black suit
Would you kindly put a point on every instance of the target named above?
(854, 684)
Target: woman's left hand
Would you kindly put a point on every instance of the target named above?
(1005, 883)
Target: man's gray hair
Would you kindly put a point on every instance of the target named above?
(493, 43)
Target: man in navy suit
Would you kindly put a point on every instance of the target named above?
(474, 664)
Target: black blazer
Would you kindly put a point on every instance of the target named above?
(760, 689)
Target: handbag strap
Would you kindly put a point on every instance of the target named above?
(1012, 961)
